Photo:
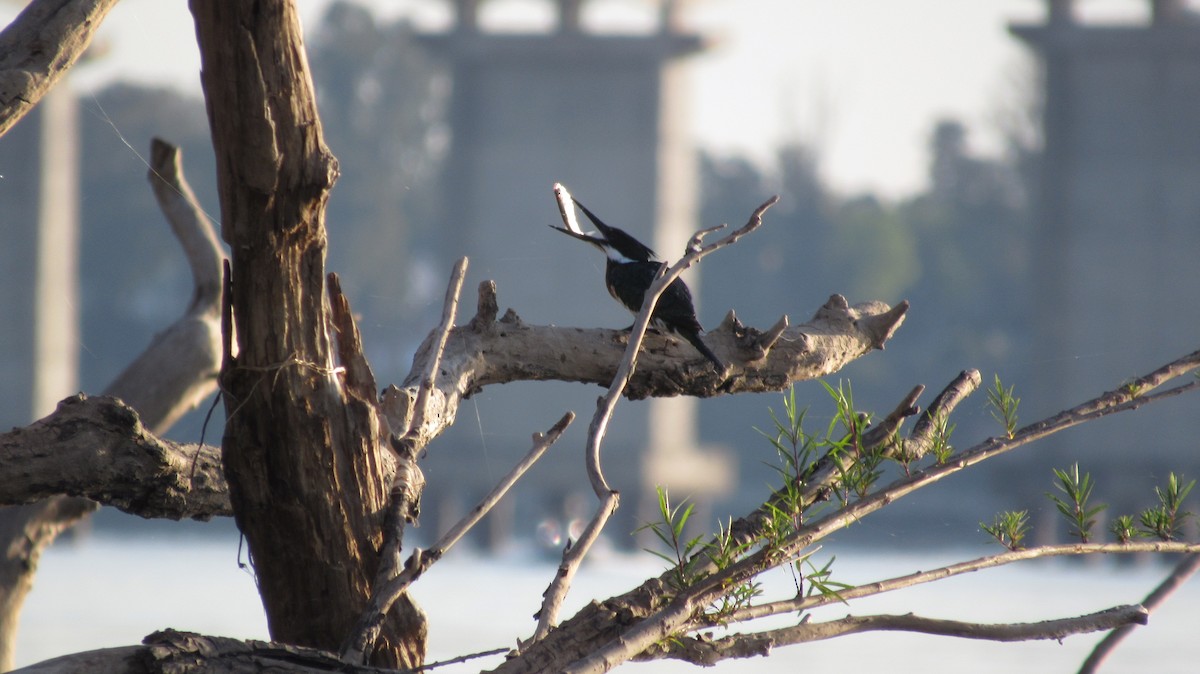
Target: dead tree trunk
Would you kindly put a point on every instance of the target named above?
(304, 448)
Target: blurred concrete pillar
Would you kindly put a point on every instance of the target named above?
(1164, 12)
(39, 225)
(1117, 236)
(1061, 11)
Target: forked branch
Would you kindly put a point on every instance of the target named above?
(361, 641)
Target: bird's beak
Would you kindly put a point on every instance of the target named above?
(590, 237)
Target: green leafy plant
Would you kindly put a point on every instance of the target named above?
(1133, 388)
(722, 552)
(1165, 520)
(819, 579)
(669, 529)
(1123, 528)
(940, 446)
(862, 469)
(1004, 406)
(1073, 504)
(1008, 528)
(797, 452)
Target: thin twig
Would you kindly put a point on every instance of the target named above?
(361, 641)
(979, 564)
(461, 658)
(408, 443)
(574, 554)
(408, 483)
(709, 652)
(1178, 576)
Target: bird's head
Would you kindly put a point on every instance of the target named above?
(615, 243)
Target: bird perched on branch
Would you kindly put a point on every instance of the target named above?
(630, 270)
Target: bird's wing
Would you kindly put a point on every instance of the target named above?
(676, 310)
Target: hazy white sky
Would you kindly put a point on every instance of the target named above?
(861, 81)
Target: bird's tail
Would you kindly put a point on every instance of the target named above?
(694, 339)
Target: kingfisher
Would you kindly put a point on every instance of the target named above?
(630, 269)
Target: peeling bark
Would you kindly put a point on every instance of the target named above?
(306, 459)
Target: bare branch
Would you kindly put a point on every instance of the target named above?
(408, 482)
(179, 367)
(417, 417)
(39, 47)
(706, 652)
(361, 641)
(971, 566)
(1184, 570)
(188, 221)
(97, 448)
(955, 392)
(609, 499)
(883, 432)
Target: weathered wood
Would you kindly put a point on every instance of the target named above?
(175, 652)
(60, 455)
(98, 448)
(305, 459)
(485, 351)
(38, 48)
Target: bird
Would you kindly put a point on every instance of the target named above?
(630, 269)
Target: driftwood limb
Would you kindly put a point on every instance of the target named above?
(39, 47)
(179, 367)
(98, 448)
(517, 351)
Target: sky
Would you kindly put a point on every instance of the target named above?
(861, 82)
